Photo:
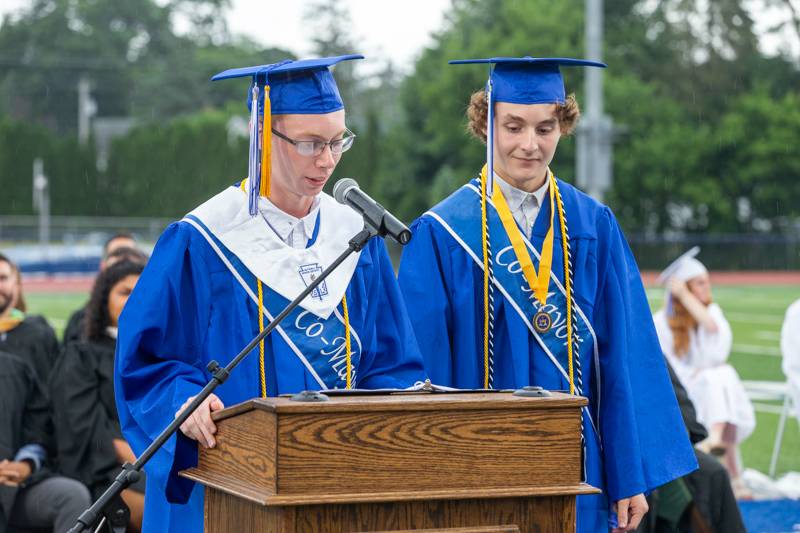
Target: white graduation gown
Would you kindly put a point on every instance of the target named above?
(790, 347)
(713, 385)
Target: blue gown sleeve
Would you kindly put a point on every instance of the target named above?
(644, 439)
(158, 363)
(424, 267)
(393, 360)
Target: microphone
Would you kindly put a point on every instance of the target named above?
(347, 192)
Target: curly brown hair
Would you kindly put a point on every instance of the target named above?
(97, 317)
(567, 113)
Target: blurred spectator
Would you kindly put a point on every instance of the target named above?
(700, 501)
(28, 337)
(119, 248)
(120, 240)
(790, 347)
(90, 444)
(696, 339)
(30, 495)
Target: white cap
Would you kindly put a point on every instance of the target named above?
(684, 268)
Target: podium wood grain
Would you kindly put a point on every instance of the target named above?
(225, 513)
(400, 462)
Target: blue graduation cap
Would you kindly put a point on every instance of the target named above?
(522, 80)
(529, 80)
(287, 87)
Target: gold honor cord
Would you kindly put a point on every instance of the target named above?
(485, 244)
(347, 340)
(539, 282)
(261, 342)
(347, 344)
(567, 282)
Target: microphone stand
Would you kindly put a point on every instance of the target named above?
(130, 472)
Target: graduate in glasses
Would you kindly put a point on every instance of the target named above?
(518, 278)
(220, 274)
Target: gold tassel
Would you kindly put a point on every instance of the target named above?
(266, 146)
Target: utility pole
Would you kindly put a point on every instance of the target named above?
(596, 129)
(87, 108)
(41, 203)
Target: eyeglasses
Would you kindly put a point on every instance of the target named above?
(315, 148)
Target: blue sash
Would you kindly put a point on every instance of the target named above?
(460, 215)
(318, 343)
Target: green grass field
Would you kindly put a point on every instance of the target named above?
(755, 313)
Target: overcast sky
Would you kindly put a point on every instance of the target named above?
(395, 30)
(391, 29)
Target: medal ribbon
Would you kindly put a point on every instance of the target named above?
(538, 282)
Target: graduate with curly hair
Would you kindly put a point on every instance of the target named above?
(518, 278)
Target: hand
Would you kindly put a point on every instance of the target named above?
(678, 288)
(199, 426)
(630, 512)
(12, 473)
(123, 451)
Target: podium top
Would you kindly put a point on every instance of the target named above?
(406, 401)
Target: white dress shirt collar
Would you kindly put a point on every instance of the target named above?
(524, 206)
(295, 232)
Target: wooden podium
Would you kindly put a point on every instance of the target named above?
(455, 462)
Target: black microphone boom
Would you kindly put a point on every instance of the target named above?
(87, 521)
(347, 192)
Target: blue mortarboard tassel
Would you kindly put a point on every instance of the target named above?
(490, 137)
(254, 159)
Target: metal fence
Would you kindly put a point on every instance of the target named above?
(84, 236)
(85, 230)
(732, 252)
(70, 245)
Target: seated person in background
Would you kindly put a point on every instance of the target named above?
(696, 339)
(90, 444)
(119, 248)
(790, 348)
(30, 495)
(700, 501)
(28, 337)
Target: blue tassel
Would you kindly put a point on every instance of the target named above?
(489, 138)
(254, 161)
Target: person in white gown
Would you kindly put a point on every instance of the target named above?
(790, 348)
(696, 340)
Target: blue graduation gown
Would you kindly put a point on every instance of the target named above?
(635, 439)
(187, 309)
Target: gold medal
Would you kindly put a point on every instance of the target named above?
(542, 321)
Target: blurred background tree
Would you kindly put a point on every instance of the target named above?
(709, 121)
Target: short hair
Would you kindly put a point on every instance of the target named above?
(567, 114)
(20, 305)
(121, 235)
(97, 318)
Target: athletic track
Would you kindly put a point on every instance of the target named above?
(67, 284)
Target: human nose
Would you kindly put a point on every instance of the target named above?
(326, 158)
(529, 141)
